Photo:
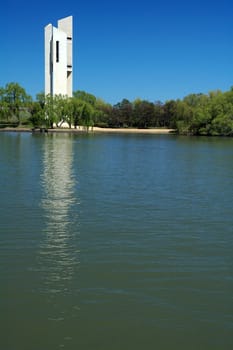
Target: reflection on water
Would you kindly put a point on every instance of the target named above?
(59, 251)
(156, 239)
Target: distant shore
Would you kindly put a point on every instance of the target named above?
(93, 130)
(134, 130)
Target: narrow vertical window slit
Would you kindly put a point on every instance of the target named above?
(57, 51)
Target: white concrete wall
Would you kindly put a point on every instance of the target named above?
(48, 63)
(66, 25)
(60, 67)
(59, 75)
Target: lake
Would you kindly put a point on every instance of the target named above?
(111, 241)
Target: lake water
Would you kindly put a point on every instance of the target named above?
(116, 242)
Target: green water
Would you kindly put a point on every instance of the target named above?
(116, 242)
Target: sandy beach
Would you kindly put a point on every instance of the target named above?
(135, 131)
(96, 130)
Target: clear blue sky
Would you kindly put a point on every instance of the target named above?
(152, 49)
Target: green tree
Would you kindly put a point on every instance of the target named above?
(68, 110)
(50, 111)
(17, 99)
(87, 115)
(40, 98)
(102, 113)
(85, 96)
(143, 113)
(4, 107)
(37, 117)
(183, 117)
(222, 125)
(170, 113)
(59, 106)
(158, 119)
(77, 111)
(122, 114)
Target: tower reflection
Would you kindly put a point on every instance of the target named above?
(59, 251)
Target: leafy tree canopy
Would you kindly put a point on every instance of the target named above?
(195, 114)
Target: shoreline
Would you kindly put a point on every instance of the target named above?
(161, 131)
(136, 131)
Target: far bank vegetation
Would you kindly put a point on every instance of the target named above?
(196, 114)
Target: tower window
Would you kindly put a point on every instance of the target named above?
(57, 51)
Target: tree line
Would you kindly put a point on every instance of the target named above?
(195, 114)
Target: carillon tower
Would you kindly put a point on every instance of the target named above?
(58, 58)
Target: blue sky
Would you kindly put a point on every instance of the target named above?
(155, 50)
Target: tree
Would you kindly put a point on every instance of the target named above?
(4, 108)
(77, 111)
(17, 99)
(50, 113)
(102, 113)
(85, 96)
(158, 118)
(143, 113)
(122, 114)
(68, 112)
(40, 98)
(37, 117)
(59, 106)
(170, 113)
(87, 113)
(222, 125)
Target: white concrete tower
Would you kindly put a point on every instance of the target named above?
(58, 58)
